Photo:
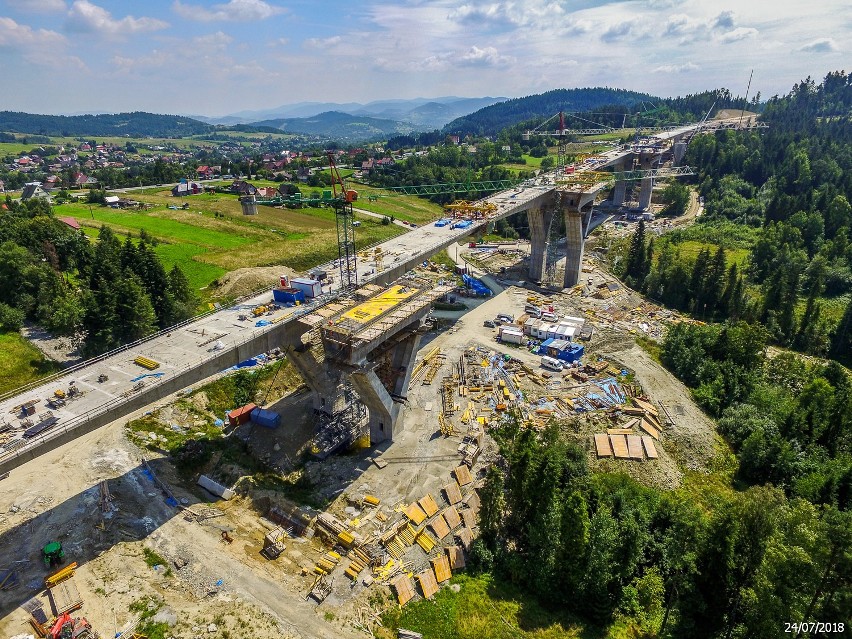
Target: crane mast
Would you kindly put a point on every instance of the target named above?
(344, 216)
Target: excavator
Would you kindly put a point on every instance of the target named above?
(68, 627)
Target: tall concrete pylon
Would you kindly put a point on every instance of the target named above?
(385, 406)
(539, 221)
(646, 189)
(577, 208)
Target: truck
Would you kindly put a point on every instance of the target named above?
(311, 288)
(551, 363)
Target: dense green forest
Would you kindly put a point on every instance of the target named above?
(104, 294)
(598, 106)
(493, 119)
(684, 563)
(784, 194)
(136, 124)
(767, 537)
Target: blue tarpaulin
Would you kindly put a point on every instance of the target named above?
(476, 285)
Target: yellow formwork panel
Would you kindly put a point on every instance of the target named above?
(378, 305)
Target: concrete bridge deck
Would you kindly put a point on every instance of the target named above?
(186, 353)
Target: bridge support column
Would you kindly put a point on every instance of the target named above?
(384, 413)
(576, 241)
(619, 193)
(539, 221)
(645, 191)
(401, 361)
(678, 152)
(324, 380)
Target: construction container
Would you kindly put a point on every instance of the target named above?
(288, 295)
(311, 288)
(241, 415)
(512, 335)
(266, 418)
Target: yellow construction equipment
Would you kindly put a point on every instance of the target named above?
(475, 210)
(146, 362)
(257, 311)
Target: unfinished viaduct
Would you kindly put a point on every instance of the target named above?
(347, 346)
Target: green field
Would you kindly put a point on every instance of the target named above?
(21, 362)
(691, 249)
(483, 608)
(15, 148)
(153, 223)
(213, 237)
(409, 207)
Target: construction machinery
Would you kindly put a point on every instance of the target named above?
(68, 627)
(342, 204)
(53, 555)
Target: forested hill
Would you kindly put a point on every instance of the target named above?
(492, 119)
(136, 124)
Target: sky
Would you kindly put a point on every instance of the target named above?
(218, 58)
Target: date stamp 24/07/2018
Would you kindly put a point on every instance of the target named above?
(819, 627)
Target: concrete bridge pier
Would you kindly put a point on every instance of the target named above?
(402, 360)
(577, 208)
(619, 193)
(539, 221)
(384, 413)
(678, 152)
(384, 404)
(646, 189)
(323, 378)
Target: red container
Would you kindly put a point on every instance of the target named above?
(241, 415)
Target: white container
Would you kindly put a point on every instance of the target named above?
(311, 288)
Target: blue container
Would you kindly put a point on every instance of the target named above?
(266, 418)
(288, 295)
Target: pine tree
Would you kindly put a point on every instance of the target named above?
(635, 267)
(714, 283)
(697, 281)
(841, 345)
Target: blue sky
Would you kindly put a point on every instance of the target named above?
(215, 58)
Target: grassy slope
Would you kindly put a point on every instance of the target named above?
(21, 362)
(484, 608)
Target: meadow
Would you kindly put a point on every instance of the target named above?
(213, 237)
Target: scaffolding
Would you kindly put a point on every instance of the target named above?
(338, 431)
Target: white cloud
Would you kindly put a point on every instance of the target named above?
(724, 20)
(676, 68)
(233, 10)
(23, 36)
(38, 46)
(38, 6)
(87, 17)
(823, 45)
(322, 43)
(487, 57)
(740, 33)
(617, 31)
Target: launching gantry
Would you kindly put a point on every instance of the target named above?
(480, 210)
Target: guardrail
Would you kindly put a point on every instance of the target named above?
(22, 446)
(99, 358)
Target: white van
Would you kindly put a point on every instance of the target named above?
(551, 363)
(532, 310)
(548, 316)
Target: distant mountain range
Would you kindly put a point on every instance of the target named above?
(339, 126)
(419, 113)
(492, 119)
(351, 122)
